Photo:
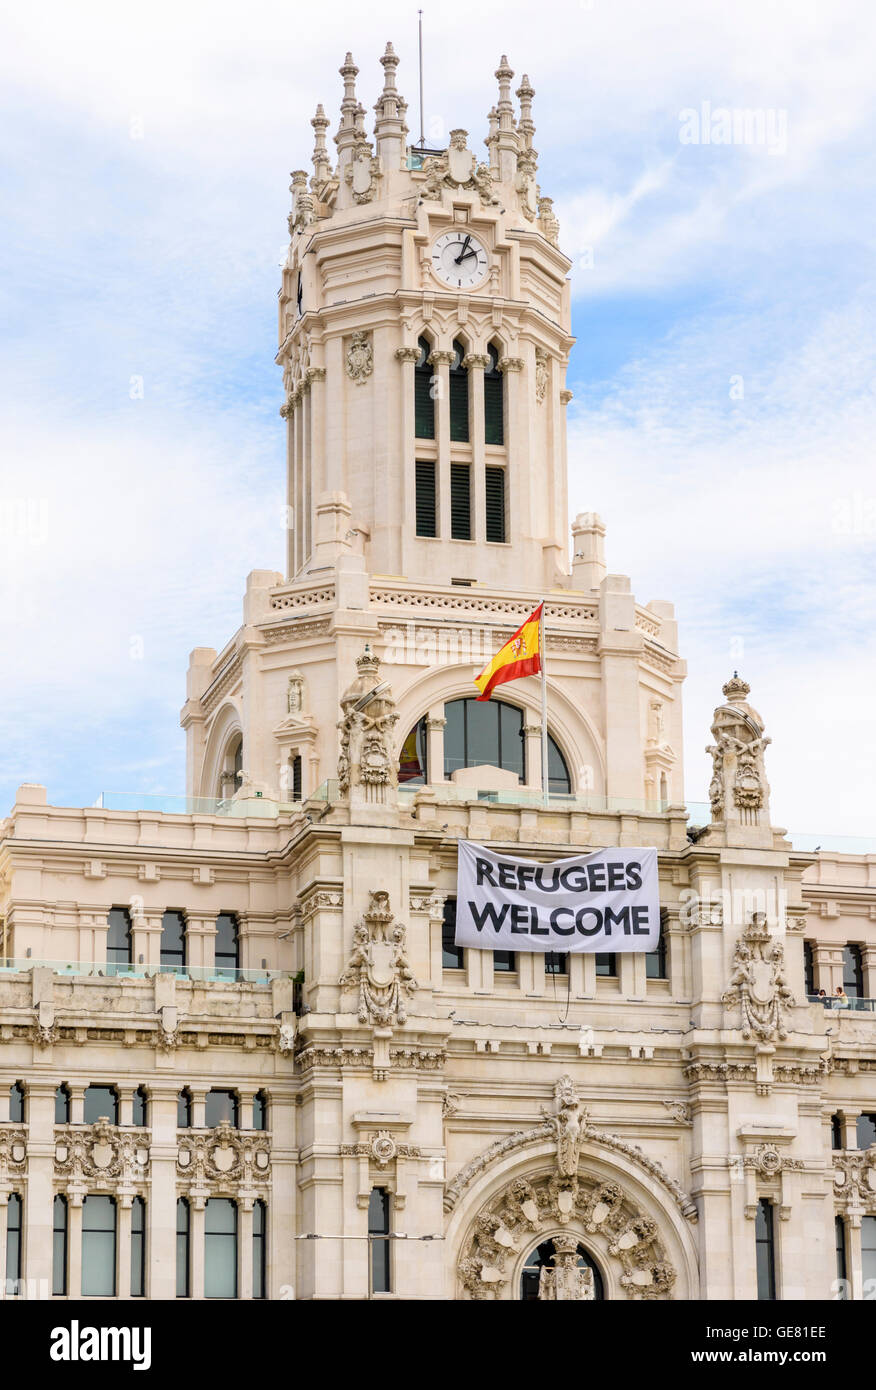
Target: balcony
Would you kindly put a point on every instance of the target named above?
(853, 1004)
(105, 970)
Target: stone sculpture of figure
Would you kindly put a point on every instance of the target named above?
(567, 1281)
(379, 966)
(295, 693)
(569, 1127)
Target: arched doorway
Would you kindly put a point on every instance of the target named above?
(542, 1257)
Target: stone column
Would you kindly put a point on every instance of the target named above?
(244, 1247)
(123, 1218)
(475, 363)
(407, 445)
(197, 1225)
(161, 1202)
(77, 1105)
(868, 962)
(854, 1253)
(4, 1103)
(849, 1123)
(619, 648)
(39, 1216)
(74, 1245)
(199, 1101)
(435, 725)
(126, 1105)
(201, 940)
(532, 737)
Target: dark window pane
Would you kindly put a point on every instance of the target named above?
(458, 396)
(836, 1132)
(511, 741)
(221, 1106)
(118, 937)
(101, 1103)
(853, 975)
(543, 1256)
(866, 1127)
(184, 1110)
(494, 412)
(452, 956)
(138, 1248)
(182, 1248)
(140, 1109)
(13, 1237)
(504, 961)
(559, 781)
(259, 1249)
(482, 733)
(766, 1264)
(260, 1110)
(62, 1106)
(16, 1103)
(59, 1245)
(655, 961)
(412, 765)
(99, 1247)
(173, 940)
(220, 1254)
(840, 1231)
(809, 966)
(426, 499)
(296, 777)
(227, 947)
(556, 963)
(868, 1249)
(379, 1225)
(424, 404)
(606, 963)
(454, 736)
(460, 501)
(494, 479)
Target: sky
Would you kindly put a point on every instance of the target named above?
(711, 167)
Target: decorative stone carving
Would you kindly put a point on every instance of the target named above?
(295, 693)
(450, 1104)
(457, 169)
(101, 1151)
(738, 775)
(367, 769)
(550, 225)
(286, 1039)
(569, 1121)
(224, 1158)
(757, 983)
(13, 1153)
(360, 357)
(854, 1179)
(527, 188)
(542, 374)
(363, 173)
(408, 354)
(768, 1161)
(679, 1111)
(528, 1206)
(568, 1281)
(378, 967)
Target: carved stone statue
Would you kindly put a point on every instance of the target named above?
(379, 967)
(367, 769)
(569, 1125)
(360, 357)
(568, 1281)
(757, 983)
(738, 790)
(295, 693)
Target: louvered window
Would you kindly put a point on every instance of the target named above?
(424, 404)
(495, 488)
(494, 401)
(460, 501)
(458, 397)
(427, 517)
(296, 777)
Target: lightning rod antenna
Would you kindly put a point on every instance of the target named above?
(422, 136)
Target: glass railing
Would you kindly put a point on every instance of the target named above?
(853, 1003)
(196, 805)
(108, 970)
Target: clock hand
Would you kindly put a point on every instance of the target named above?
(463, 252)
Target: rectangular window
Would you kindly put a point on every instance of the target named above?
(183, 1261)
(140, 1108)
(495, 503)
(226, 950)
(101, 1103)
(459, 406)
(138, 1248)
(99, 1247)
(259, 1249)
(424, 401)
(504, 962)
(296, 777)
(868, 1250)
(220, 1250)
(118, 939)
(809, 966)
(494, 425)
(62, 1106)
(556, 963)
(765, 1248)
(452, 956)
(655, 961)
(221, 1107)
(842, 1277)
(173, 941)
(836, 1132)
(13, 1238)
(606, 964)
(426, 501)
(59, 1245)
(853, 974)
(460, 501)
(378, 1239)
(866, 1130)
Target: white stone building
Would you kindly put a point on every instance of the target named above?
(234, 1023)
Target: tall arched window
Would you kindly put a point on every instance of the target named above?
(543, 1258)
(140, 1108)
(379, 1227)
(221, 1108)
(494, 400)
(16, 1103)
(231, 775)
(412, 764)
(227, 948)
(490, 732)
(424, 402)
(458, 396)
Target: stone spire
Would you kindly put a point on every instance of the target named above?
(347, 135)
(507, 136)
(322, 168)
(492, 140)
(739, 791)
(525, 93)
(389, 127)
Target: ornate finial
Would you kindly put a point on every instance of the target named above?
(349, 105)
(525, 93)
(736, 689)
(321, 163)
(504, 73)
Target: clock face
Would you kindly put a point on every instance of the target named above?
(459, 260)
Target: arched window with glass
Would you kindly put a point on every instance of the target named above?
(459, 431)
(545, 1257)
(490, 733)
(140, 1108)
(494, 399)
(259, 1249)
(138, 1248)
(424, 398)
(222, 1107)
(260, 1110)
(14, 1218)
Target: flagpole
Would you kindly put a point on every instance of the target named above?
(544, 728)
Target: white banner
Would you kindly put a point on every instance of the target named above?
(608, 901)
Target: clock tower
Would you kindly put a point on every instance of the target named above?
(424, 336)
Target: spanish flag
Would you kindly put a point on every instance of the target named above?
(520, 656)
